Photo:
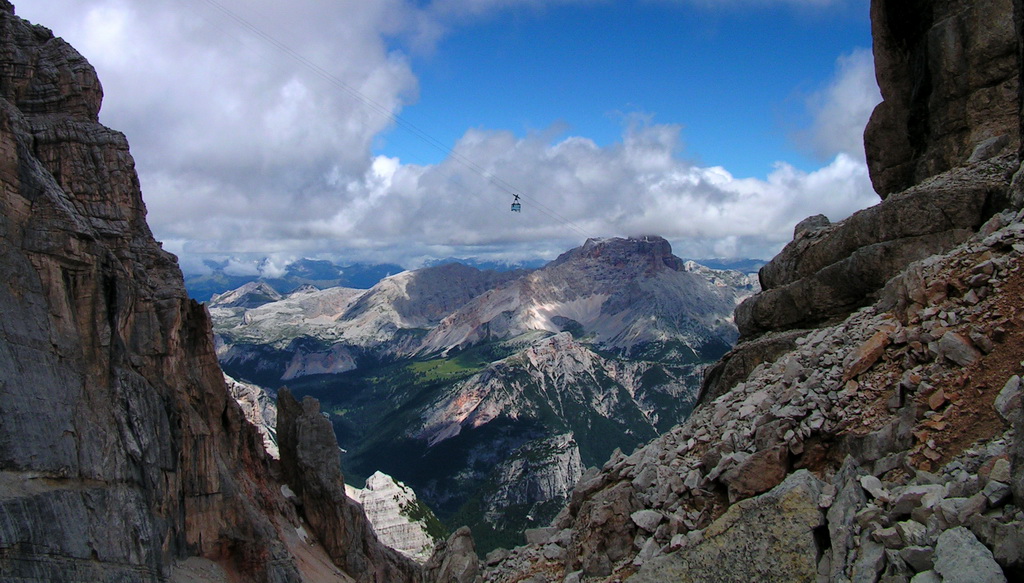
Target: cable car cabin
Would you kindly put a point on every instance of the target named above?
(516, 207)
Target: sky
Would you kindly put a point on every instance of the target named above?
(398, 130)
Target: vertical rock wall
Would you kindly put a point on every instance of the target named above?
(949, 72)
(121, 451)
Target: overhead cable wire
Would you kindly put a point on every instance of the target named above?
(394, 118)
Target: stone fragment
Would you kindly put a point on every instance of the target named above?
(937, 399)
(996, 492)
(810, 225)
(647, 520)
(920, 558)
(1009, 399)
(907, 498)
(1000, 471)
(959, 556)
(496, 556)
(758, 473)
(870, 560)
(603, 531)
(957, 348)
(848, 503)
(648, 551)
(866, 355)
(539, 536)
(553, 552)
(873, 486)
(927, 577)
(888, 537)
(912, 533)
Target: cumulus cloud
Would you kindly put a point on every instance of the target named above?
(571, 189)
(244, 150)
(842, 108)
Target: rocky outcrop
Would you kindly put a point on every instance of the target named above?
(398, 518)
(259, 409)
(311, 466)
(455, 560)
(768, 538)
(942, 148)
(123, 457)
(832, 270)
(950, 76)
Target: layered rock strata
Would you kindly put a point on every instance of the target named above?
(122, 455)
(398, 517)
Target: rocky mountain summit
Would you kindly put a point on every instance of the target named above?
(627, 295)
(400, 520)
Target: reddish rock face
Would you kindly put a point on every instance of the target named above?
(949, 72)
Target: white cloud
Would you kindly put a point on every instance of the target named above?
(841, 110)
(244, 151)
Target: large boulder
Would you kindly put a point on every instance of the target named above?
(767, 538)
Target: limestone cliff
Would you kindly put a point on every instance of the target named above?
(122, 455)
(950, 76)
(398, 517)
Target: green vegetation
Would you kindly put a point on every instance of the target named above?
(376, 411)
(417, 511)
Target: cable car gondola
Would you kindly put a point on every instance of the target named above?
(516, 207)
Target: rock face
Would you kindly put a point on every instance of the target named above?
(400, 520)
(950, 76)
(311, 466)
(122, 455)
(259, 409)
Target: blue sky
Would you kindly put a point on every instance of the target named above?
(716, 124)
(735, 77)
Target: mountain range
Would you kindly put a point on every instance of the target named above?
(489, 392)
(867, 426)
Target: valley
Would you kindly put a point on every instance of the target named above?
(488, 392)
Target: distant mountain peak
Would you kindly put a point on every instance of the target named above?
(651, 252)
(251, 295)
